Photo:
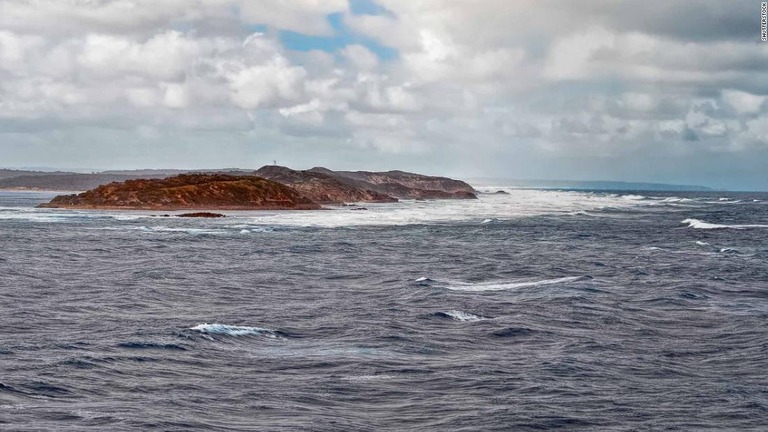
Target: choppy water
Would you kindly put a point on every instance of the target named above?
(530, 311)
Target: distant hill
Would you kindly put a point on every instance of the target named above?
(11, 173)
(593, 185)
(71, 181)
(65, 181)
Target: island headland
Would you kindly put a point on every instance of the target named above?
(271, 187)
(189, 191)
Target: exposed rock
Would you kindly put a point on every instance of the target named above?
(201, 215)
(322, 187)
(501, 192)
(189, 191)
(405, 185)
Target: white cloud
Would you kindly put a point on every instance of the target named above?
(743, 102)
(273, 84)
(562, 78)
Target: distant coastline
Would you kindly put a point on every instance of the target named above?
(596, 185)
(66, 181)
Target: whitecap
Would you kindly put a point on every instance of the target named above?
(423, 279)
(698, 224)
(485, 221)
(462, 316)
(633, 197)
(701, 243)
(233, 330)
(502, 286)
(126, 217)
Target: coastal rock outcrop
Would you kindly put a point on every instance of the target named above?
(189, 191)
(327, 186)
(322, 187)
(405, 185)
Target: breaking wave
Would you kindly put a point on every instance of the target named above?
(460, 316)
(496, 286)
(233, 330)
(695, 223)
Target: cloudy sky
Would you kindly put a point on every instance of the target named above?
(666, 91)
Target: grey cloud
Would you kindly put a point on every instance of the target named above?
(546, 88)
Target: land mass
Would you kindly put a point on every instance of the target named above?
(327, 186)
(594, 185)
(269, 188)
(322, 187)
(189, 191)
(404, 185)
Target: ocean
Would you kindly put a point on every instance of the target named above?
(537, 310)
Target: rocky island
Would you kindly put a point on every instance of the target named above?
(322, 187)
(404, 185)
(189, 191)
(271, 187)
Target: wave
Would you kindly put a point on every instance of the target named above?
(126, 217)
(194, 231)
(581, 213)
(698, 224)
(460, 316)
(233, 330)
(514, 332)
(151, 345)
(256, 230)
(729, 250)
(676, 200)
(365, 378)
(499, 209)
(251, 228)
(633, 197)
(496, 286)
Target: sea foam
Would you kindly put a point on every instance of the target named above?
(461, 316)
(502, 286)
(695, 223)
(233, 330)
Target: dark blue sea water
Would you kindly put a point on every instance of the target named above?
(532, 311)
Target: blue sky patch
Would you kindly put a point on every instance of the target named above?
(342, 37)
(367, 7)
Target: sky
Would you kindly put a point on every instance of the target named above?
(669, 91)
